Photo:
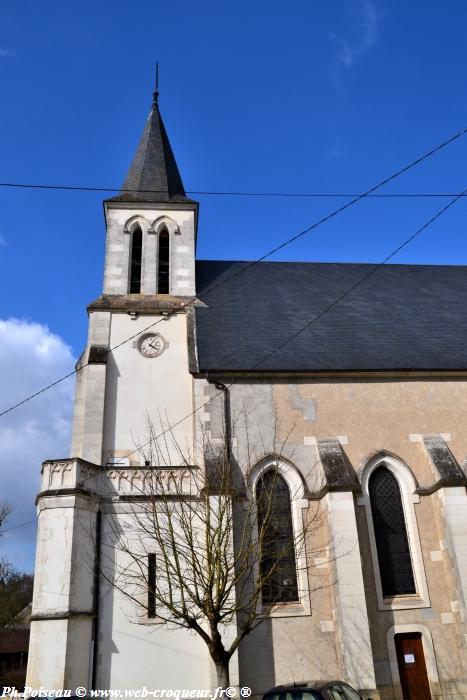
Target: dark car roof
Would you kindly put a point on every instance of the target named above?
(317, 686)
(314, 685)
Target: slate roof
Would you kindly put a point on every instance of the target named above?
(404, 317)
(153, 167)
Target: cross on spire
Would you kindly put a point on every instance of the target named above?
(155, 94)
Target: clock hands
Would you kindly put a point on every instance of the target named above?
(151, 345)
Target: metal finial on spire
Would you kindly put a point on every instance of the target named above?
(156, 91)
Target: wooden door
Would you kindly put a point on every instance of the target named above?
(412, 667)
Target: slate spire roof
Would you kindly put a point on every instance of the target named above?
(153, 173)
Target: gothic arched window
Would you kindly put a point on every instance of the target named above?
(135, 260)
(163, 267)
(275, 530)
(392, 543)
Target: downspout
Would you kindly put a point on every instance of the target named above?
(95, 620)
(228, 428)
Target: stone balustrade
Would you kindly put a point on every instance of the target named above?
(113, 482)
(72, 473)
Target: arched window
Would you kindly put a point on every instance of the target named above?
(151, 585)
(275, 531)
(135, 260)
(163, 268)
(392, 544)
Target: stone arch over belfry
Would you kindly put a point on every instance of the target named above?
(164, 223)
(136, 220)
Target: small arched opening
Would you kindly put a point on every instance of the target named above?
(136, 260)
(163, 267)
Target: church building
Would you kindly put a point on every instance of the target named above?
(368, 401)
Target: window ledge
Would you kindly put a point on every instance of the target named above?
(151, 621)
(286, 610)
(403, 602)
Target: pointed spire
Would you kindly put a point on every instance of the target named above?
(153, 175)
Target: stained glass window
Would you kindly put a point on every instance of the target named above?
(395, 563)
(277, 557)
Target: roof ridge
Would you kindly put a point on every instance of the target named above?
(330, 262)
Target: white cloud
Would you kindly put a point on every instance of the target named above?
(365, 31)
(30, 358)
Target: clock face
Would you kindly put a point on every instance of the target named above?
(151, 344)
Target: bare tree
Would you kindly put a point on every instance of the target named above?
(15, 593)
(198, 550)
(5, 510)
(15, 586)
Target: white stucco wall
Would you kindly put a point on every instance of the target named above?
(137, 386)
(133, 652)
(47, 643)
(53, 556)
(61, 628)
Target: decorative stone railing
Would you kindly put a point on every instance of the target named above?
(113, 482)
(140, 482)
(64, 474)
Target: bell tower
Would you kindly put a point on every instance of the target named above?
(133, 373)
(151, 224)
(149, 276)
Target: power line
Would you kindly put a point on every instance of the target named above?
(370, 273)
(248, 266)
(232, 193)
(315, 318)
(16, 527)
(334, 195)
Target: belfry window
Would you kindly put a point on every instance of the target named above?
(135, 261)
(392, 543)
(163, 267)
(275, 529)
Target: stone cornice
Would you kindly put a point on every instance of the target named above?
(143, 303)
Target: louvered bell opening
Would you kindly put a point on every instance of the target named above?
(163, 275)
(136, 259)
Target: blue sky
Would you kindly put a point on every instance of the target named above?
(297, 97)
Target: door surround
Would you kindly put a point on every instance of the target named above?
(428, 651)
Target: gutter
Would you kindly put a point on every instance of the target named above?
(227, 422)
